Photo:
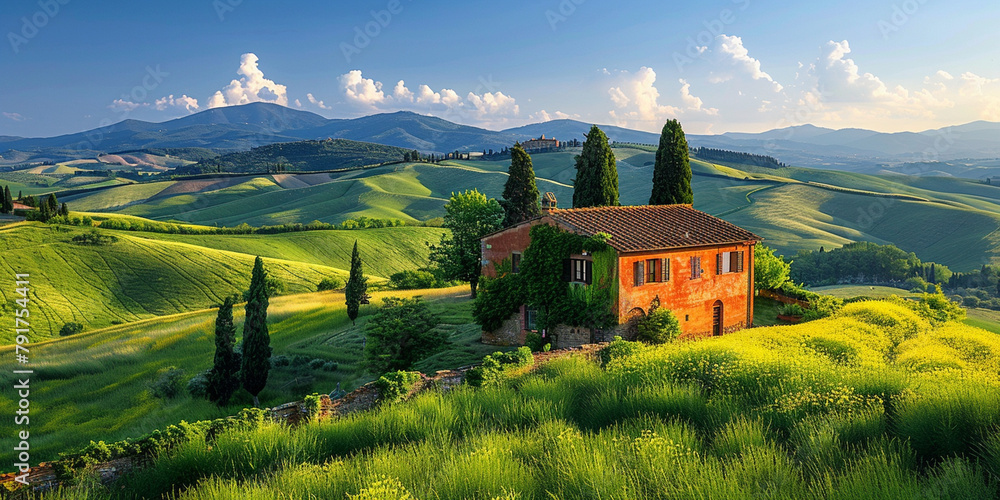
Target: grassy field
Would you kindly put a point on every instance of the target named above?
(851, 291)
(986, 319)
(144, 275)
(874, 403)
(105, 395)
(55, 178)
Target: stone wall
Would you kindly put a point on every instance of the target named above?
(510, 333)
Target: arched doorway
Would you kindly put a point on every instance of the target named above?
(717, 318)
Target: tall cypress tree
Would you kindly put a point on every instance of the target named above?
(223, 378)
(672, 171)
(8, 201)
(520, 194)
(357, 285)
(596, 183)
(53, 204)
(256, 360)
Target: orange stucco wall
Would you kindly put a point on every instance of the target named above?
(500, 246)
(691, 300)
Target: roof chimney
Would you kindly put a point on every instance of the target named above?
(548, 202)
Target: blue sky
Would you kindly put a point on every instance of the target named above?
(723, 65)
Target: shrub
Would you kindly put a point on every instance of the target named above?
(791, 310)
(971, 301)
(412, 280)
(168, 384)
(70, 328)
(496, 366)
(618, 349)
(280, 360)
(659, 327)
(822, 306)
(94, 237)
(794, 291)
(915, 284)
(197, 387)
(312, 404)
(330, 284)
(317, 363)
(330, 366)
(300, 360)
(395, 386)
(535, 342)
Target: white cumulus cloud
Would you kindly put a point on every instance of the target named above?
(316, 102)
(731, 60)
(252, 86)
(184, 102)
(122, 105)
(367, 94)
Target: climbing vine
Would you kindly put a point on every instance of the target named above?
(541, 284)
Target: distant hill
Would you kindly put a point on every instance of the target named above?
(301, 156)
(239, 128)
(567, 130)
(412, 131)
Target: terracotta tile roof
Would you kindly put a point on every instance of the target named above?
(19, 206)
(653, 227)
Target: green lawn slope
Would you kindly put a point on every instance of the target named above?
(144, 275)
(96, 385)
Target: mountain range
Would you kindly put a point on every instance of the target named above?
(238, 128)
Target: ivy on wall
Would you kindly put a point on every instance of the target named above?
(542, 286)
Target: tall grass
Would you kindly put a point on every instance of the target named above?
(761, 413)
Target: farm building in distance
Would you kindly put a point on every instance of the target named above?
(541, 144)
(698, 266)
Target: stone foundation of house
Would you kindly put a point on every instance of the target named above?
(510, 333)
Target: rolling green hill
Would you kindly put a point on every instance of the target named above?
(948, 220)
(146, 275)
(330, 154)
(105, 394)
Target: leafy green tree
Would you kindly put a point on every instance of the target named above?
(356, 290)
(596, 183)
(770, 271)
(256, 360)
(400, 333)
(470, 216)
(520, 194)
(223, 378)
(672, 170)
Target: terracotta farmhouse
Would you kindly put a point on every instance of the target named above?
(698, 266)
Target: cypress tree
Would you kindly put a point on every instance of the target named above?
(64, 210)
(672, 172)
(520, 194)
(596, 183)
(53, 204)
(256, 342)
(357, 285)
(8, 201)
(223, 378)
